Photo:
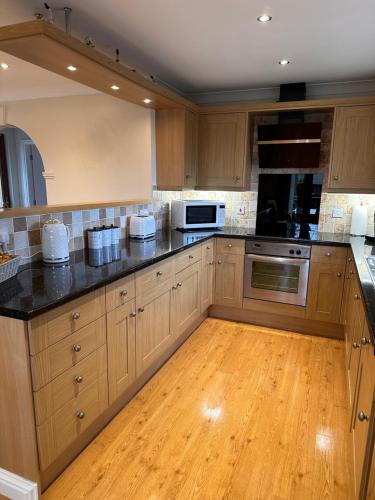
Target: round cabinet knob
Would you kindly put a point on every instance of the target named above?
(191, 256)
(212, 263)
(124, 293)
(174, 287)
(219, 261)
(365, 341)
(159, 273)
(208, 247)
(141, 309)
(76, 315)
(81, 414)
(362, 417)
(350, 259)
(336, 178)
(356, 345)
(179, 284)
(328, 254)
(78, 379)
(237, 178)
(339, 275)
(76, 347)
(133, 314)
(229, 245)
(356, 296)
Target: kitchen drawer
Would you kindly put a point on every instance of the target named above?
(62, 428)
(208, 248)
(188, 258)
(327, 254)
(230, 245)
(49, 328)
(48, 364)
(150, 280)
(120, 292)
(67, 386)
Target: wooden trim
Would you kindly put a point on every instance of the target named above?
(55, 469)
(290, 141)
(49, 209)
(13, 486)
(289, 323)
(42, 43)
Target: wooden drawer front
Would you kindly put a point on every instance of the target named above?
(49, 328)
(120, 292)
(208, 248)
(336, 255)
(69, 384)
(51, 362)
(149, 281)
(188, 258)
(61, 429)
(230, 245)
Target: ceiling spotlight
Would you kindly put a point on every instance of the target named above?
(4, 66)
(71, 68)
(115, 87)
(264, 18)
(284, 62)
(147, 100)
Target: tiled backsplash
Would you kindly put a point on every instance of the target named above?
(25, 232)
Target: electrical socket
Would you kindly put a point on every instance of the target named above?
(241, 210)
(337, 213)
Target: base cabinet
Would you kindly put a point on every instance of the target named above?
(121, 349)
(229, 280)
(186, 300)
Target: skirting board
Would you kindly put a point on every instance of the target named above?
(282, 322)
(16, 487)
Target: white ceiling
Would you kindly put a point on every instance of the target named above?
(201, 45)
(25, 81)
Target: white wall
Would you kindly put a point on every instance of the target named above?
(97, 146)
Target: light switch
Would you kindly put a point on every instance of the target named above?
(337, 213)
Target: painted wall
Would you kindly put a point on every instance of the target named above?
(98, 148)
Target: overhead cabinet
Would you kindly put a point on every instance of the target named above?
(176, 149)
(353, 150)
(224, 152)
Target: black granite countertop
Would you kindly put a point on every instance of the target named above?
(40, 287)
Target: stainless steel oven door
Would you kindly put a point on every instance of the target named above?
(276, 279)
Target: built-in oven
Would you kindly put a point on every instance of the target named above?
(277, 272)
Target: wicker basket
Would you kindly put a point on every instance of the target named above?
(10, 268)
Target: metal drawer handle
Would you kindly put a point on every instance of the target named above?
(123, 293)
(356, 345)
(81, 414)
(363, 417)
(76, 347)
(229, 245)
(339, 275)
(365, 341)
(78, 379)
(159, 273)
(76, 315)
(133, 314)
(141, 309)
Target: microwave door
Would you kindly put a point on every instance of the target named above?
(201, 216)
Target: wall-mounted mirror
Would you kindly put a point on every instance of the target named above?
(21, 170)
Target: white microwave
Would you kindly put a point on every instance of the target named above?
(197, 214)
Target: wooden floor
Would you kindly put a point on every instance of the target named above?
(239, 412)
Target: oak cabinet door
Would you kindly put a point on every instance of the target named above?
(223, 150)
(154, 333)
(229, 280)
(208, 275)
(121, 349)
(353, 150)
(326, 283)
(186, 305)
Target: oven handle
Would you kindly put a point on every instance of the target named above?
(280, 260)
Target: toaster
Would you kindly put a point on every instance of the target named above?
(142, 226)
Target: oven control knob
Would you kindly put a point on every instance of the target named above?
(291, 252)
(298, 252)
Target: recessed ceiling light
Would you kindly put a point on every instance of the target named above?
(284, 62)
(115, 87)
(147, 100)
(4, 66)
(264, 18)
(71, 68)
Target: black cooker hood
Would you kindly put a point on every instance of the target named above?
(291, 143)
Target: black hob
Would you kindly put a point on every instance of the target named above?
(288, 230)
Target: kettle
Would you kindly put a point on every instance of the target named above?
(55, 241)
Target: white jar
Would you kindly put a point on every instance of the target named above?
(115, 235)
(95, 238)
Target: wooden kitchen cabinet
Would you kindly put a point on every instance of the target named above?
(121, 349)
(224, 151)
(186, 299)
(229, 280)
(208, 275)
(353, 150)
(326, 283)
(176, 149)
